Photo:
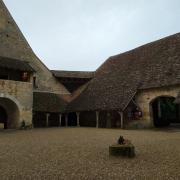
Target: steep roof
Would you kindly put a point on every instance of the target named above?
(48, 102)
(156, 64)
(14, 45)
(73, 74)
(15, 64)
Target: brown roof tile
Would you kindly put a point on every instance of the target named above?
(48, 102)
(15, 64)
(73, 74)
(156, 64)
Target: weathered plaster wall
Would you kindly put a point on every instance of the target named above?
(145, 97)
(17, 98)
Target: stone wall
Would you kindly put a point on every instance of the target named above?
(17, 99)
(14, 45)
(145, 97)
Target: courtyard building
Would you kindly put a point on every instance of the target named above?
(136, 89)
(17, 62)
(16, 97)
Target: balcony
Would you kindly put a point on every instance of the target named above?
(15, 88)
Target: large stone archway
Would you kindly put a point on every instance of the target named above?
(144, 99)
(3, 118)
(164, 111)
(12, 119)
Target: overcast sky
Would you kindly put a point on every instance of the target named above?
(82, 34)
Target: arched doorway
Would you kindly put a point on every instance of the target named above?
(9, 113)
(164, 111)
(3, 117)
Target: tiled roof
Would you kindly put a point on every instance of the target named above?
(15, 64)
(48, 102)
(156, 64)
(73, 74)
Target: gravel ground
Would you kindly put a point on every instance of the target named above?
(82, 153)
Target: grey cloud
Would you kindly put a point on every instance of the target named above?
(81, 34)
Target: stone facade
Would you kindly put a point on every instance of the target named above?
(14, 45)
(16, 98)
(99, 106)
(144, 98)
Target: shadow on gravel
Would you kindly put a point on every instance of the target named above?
(8, 131)
(168, 129)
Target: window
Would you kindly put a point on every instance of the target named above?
(34, 82)
(25, 76)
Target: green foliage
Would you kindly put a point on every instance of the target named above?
(168, 108)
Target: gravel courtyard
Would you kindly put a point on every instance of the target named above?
(82, 153)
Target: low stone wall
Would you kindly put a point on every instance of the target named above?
(17, 99)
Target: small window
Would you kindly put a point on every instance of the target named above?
(25, 76)
(34, 82)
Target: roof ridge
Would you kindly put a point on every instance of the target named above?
(147, 45)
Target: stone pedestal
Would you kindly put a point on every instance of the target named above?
(122, 150)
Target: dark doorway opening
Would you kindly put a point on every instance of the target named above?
(87, 119)
(54, 120)
(115, 119)
(63, 120)
(3, 117)
(72, 119)
(39, 119)
(5, 77)
(103, 119)
(165, 111)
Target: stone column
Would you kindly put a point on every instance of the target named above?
(97, 119)
(47, 119)
(60, 116)
(122, 120)
(66, 120)
(77, 114)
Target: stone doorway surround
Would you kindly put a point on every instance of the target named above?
(144, 99)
